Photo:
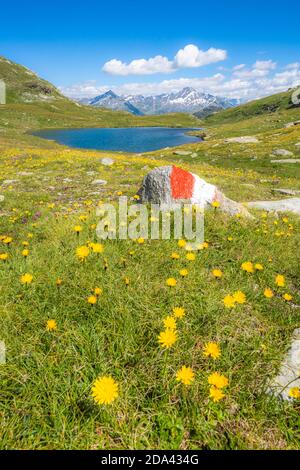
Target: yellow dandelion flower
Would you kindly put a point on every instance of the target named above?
(294, 392)
(247, 266)
(229, 301)
(190, 256)
(178, 312)
(215, 204)
(170, 322)
(258, 267)
(183, 272)
(82, 252)
(185, 375)
(239, 297)
(218, 380)
(58, 282)
(230, 239)
(217, 273)
(25, 243)
(51, 325)
(7, 240)
(127, 281)
(25, 253)
(77, 229)
(97, 247)
(105, 390)
(181, 243)
(167, 338)
(268, 293)
(136, 197)
(97, 291)
(4, 256)
(92, 299)
(287, 297)
(140, 241)
(175, 255)
(280, 280)
(171, 282)
(216, 394)
(26, 278)
(212, 350)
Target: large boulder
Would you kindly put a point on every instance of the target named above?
(169, 186)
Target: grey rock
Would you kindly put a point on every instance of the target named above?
(289, 372)
(25, 173)
(156, 189)
(292, 124)
(287, 160)
(288, 192)
(9, 181)
(284, 205)
(107, 161)
(2, 198)
(67, 180)
(246, 139)
(194, 155)
(182, 152)
(282, 153)
(297, 144)
(101, 182)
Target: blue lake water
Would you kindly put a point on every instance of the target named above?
(132, 139)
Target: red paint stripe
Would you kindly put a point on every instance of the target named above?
(182, 183)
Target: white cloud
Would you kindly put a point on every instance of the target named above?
(87, 89)
(157, 64)
(260, 68)
(188, 57)
(192, 56)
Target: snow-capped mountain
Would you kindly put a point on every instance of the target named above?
(112, 101)
(187, 100)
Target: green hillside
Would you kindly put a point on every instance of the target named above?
(264, 106)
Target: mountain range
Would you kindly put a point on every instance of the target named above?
(187, 100)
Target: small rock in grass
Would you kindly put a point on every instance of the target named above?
(282, 152)
(242, 140)
(287, 160)
(107, 161)
(288, 376)
(101, 182)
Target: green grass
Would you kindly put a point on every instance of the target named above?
(46, 400)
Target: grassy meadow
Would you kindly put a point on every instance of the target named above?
(49, 212)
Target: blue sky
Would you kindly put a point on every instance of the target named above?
(69, 43)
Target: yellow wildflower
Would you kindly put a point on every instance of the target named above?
(105, 390)
(178, 312)
(218, 380)
(217, 273)
(212, 350)
(185, 375)
(239, 297)
(170, 322)
(248, 267)
(167, 338)
(92, 299)
(26, 278)
(183, 272)
(190, 256)
(216, 394)
(4, 256)
(181, 243)
(229, 301)
(171, 282)
(287, 297)
(51, 325)
(280, 280)
(175, 255)
(294, 392)
(268, 293)
(82, 252)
